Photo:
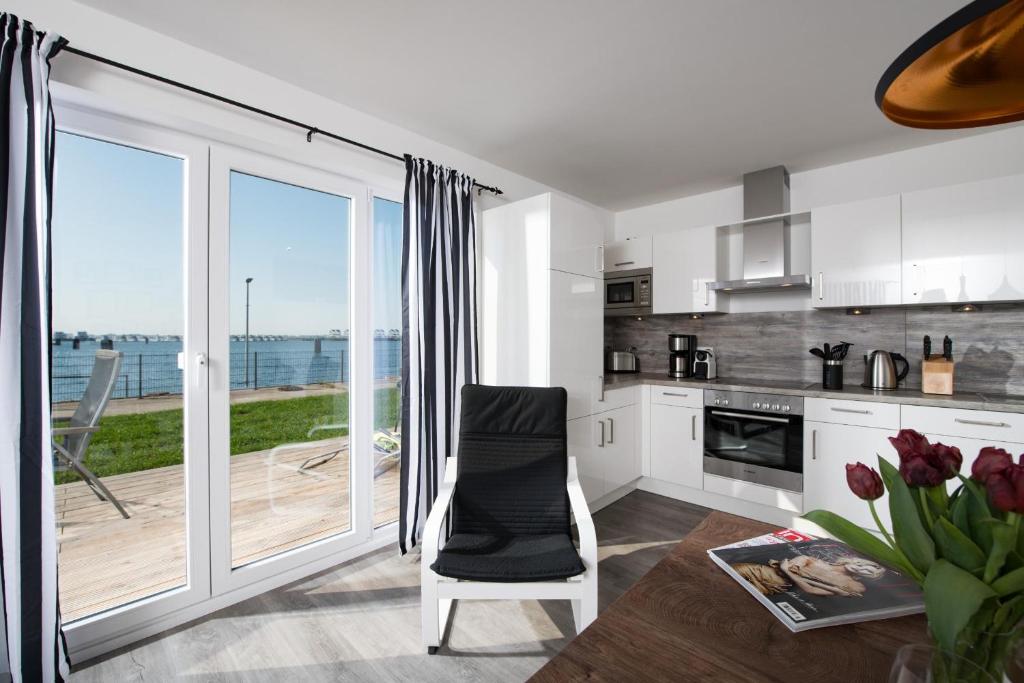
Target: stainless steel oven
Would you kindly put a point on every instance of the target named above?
(628, 292)
(757, 438)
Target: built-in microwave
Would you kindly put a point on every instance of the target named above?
(628, 292)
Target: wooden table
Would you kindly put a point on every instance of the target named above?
(688, 620)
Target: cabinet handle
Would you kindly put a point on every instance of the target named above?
(851, 410)
(601, 422)
(600, 379)
(599, 253)
(980, 423)
(611, 430)
(814, 444)
(917, 279)
(693, 427)
(625, 263)
(707, 293)
(673, 393)
(821, 286)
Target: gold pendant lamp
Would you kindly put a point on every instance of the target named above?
(968, 71)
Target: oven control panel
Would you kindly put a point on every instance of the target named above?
(756, 403)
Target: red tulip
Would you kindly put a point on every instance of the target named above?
(1006, 489)
(864, 482)
(990, 461)
(924, 464)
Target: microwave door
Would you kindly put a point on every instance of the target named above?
(621, 293)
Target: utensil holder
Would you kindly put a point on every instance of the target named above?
(832, 375)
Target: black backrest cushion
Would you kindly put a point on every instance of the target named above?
(512, 462)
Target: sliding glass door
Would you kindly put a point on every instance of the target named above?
(288, 463)
(226, 373)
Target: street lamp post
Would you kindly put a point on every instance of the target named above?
(248, 281)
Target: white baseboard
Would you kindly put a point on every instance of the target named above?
(609, 498)
(762, 513)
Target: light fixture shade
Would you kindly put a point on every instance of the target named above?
(968, 71)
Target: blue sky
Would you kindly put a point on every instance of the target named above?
(117, 241)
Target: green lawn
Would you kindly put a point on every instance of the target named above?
(129, 443)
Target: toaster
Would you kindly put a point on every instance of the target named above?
(704, 364)
(622, 361)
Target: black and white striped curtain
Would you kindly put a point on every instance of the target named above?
(35, 648)
(439, 343)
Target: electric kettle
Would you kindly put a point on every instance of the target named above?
(880, 370)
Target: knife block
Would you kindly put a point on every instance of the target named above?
(937, 376)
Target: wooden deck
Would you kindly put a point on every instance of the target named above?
(106, 560)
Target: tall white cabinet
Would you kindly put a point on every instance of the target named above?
(541, 310)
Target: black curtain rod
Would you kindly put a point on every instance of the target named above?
(310, 130)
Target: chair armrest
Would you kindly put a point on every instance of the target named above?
(73, 431)
(584, 522)
(435, 520)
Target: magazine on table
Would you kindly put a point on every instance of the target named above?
(809, 582)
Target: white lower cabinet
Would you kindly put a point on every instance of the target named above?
(620, 452)
(582, 441)
(677, 445)
(827, 450)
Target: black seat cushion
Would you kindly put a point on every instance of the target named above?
(509, 559)
(513, 462)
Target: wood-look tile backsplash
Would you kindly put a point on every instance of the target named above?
(988, 346)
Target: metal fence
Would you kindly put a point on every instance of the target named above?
(148, 374)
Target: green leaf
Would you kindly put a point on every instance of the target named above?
(951, 597)
(956, 547)
(857, 538)
(959, 512)
(1004, 541)
(978, 514)
(1009, 583)
(907, 528)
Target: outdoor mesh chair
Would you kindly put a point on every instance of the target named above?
(70, 443)
(509, 496)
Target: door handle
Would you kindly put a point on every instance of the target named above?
(601, 423)
(814, 444)
(759, 418)
(980, 423)
(201, 365)
(600, 381)
(599, 254)
(673, 393)
(611, 430)
(851, 410)
(693, 427)
(821, 286)
(707, 293)
(625, 263)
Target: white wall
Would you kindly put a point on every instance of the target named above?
(987, 155)
(109, 36)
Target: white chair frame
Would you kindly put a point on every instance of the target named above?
(438, 593)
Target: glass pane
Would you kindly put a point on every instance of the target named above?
(118, 320)
(387, 357)
(289, 294)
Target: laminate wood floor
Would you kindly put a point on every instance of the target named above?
(361, 620)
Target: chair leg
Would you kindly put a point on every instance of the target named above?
(101, 491)
(584, 610)
(430, 610)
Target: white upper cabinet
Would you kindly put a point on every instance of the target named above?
(964, 242)
(628, 254)
(855, 254)
(576, 238)
(684, 263)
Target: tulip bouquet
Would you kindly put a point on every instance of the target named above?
(965, 548)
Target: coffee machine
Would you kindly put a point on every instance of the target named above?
(681, 349)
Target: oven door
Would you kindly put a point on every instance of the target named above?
(621, 292)
(755, 447)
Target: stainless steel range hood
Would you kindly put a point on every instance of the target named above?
(765, 233)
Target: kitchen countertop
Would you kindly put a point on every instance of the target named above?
(965, 400)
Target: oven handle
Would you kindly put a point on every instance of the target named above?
(765, 418)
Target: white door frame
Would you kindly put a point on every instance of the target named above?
(223, 160)
(111, 623)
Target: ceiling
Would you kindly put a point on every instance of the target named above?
(621, 103)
